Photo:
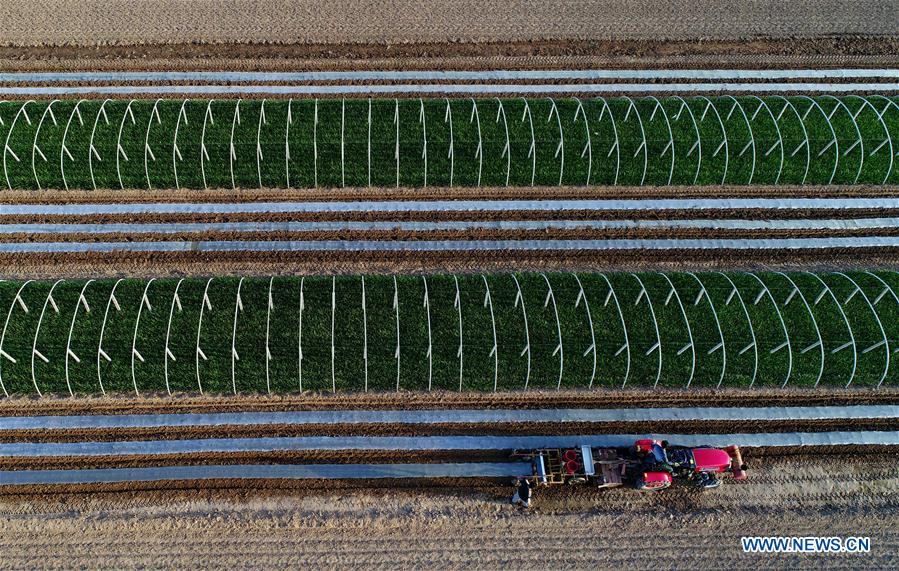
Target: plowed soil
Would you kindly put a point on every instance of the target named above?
(96, 22)
(349, 194)
(462, 524)
(535, 399)
(119, 264)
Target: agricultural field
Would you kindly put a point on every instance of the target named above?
(445, 332)
(163, 143)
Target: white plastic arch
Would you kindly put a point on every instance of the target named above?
(168, 354)
(725, 144)
(269, 306)
(550, 296)
(703, 292)
(37, 332)
(287, 125)
(616, 146)
(63, 149)
(422, 118)
(91, 149)
(6, 148)
(787, 343)
(488, 302)
(507, 150)
(238, 307)
(397, 354)
(887, 289)
(588, 147)
(458, 305)
(644, 145)
(751, 143)
(885, 342)
(176, 152)
(670, 145)
(626, 346)
(204, 304)
(582, 295)
(779, 142)
(691, 345)
(805, 142)
(851, 343)
(364, 334)
(82, 300)
(860, 142)
(430, 353)
(820, 343)
(35, 149)
(835, 142)
(479, 151)
(532, 151)
(120, 150)
(3, 354)
(889, 137)
(655, 324)
(259, 156)
(735, 292)
(889, 103)
(232, 150)
(560, 149)
(698, 143)
(148, 152)
(448, 119)
(204, 153)
(144, 301)
(111, 301)
(519, 298)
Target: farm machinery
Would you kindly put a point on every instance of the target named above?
(647, 465)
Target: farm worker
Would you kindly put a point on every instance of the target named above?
(522, 495)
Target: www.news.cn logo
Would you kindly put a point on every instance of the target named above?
(806, 544)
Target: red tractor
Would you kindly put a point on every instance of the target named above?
(647, 465)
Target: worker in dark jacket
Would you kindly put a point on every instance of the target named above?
(522, 495)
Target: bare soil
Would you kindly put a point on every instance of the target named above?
(398, 22)
(125, 264)
(534, 399)
(350, 194)
(461, 524)
(460, 236)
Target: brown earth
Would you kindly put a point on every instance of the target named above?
(534, 399)
(818, 53)
(487, 215)
(461, 524)
(350, 194)
(398, 22)
(247, 263)
(460, 236)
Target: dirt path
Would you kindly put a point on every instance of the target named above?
(464, 525)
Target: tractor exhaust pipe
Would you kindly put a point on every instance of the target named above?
(737, 468)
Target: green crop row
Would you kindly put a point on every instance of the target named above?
(303, 143)
(466, 332)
